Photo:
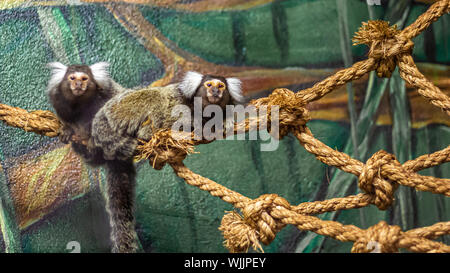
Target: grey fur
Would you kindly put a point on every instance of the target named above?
(120, 189)
(117, 126)
(115, 130)
(126, 117)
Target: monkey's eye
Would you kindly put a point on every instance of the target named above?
(84, 79)
(208, 84)
(221, 86)
(72, 78)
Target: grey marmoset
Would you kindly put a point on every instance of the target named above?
(116, 128)
(136, 114)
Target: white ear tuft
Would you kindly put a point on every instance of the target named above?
(58, 72)
(234, 87)
(101, 74)
(191, 81)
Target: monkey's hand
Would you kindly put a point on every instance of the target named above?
(90, 145)
(65, 134)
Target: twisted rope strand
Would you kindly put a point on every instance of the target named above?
(41, 122)
(433, 13)
(409, 72)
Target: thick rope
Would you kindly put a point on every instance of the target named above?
(40, 122)
(262, 218)
(410, 73)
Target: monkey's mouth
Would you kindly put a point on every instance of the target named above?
(213, 99)
(78, 91)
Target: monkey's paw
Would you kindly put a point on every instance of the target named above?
(65, 135)
(90, 145)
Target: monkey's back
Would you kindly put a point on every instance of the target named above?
(132, 115)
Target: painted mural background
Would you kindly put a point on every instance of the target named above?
(50, 198)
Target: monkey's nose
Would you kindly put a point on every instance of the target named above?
(215, 92)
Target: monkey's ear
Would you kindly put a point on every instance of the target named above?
(234, 87)
(191, 81)
(58, 72)
(101, 74)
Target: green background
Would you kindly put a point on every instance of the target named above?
(171, 215)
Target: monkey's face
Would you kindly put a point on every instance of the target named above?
(214, 90)
(78, 83)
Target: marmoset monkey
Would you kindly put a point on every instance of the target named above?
(134, 114)
(211, 90)
(116, 128)
(77, 93)
(113, 119)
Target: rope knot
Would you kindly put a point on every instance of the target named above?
(371, 179)
(291, 110)
(254, 226)
(385, 43)
(165, 146)
(379, 238)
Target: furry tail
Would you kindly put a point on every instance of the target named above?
(120, 176)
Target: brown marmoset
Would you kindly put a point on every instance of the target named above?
(211, 90)
(77, 93)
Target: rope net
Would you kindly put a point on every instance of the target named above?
(260, 219)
